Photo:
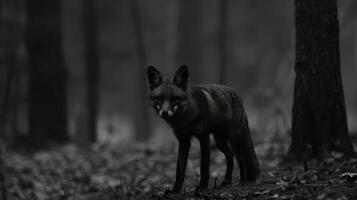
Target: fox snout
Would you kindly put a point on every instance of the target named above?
(166, 110)
(165, 113)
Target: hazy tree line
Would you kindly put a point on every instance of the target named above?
(47, 72)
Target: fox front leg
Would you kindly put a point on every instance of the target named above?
(205, 161)
(183, 150)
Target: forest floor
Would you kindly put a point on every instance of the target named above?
(145, 171)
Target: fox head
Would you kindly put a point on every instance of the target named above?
(168, 97)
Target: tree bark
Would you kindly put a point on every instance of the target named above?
(190, 33)
(223, 41)
(142, 119)
(9, 37)
(319, 113)
(47, 80)
(3, 189)
(92, 67)
(355, 61)
(6, 59)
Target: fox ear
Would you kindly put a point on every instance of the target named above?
(181, 76)
(154, 77)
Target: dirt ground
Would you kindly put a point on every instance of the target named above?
(146, 171)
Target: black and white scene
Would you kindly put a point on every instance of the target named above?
(178, 99)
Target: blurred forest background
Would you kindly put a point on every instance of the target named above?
(107, 44)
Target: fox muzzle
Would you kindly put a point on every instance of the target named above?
(164, 113)
(165, 110)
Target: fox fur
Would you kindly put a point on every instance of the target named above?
(198, 111)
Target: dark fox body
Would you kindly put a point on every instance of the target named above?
(201, 110)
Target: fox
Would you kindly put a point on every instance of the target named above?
(193, 110)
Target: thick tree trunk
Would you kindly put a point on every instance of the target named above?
(142, 116)
(5, 51)
(92, 67)
(319, 113)
(355, 62)
(190, 33)
(47, 88)
(223, 41)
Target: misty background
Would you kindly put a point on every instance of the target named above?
(259, 62)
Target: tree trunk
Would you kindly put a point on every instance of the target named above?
(9, 36)
(143, 125)
(47, 86)
(6, 58)
(190, 33)
(319, 113)
(223, 41)
(3, 190)
(355, 61)
(92, 67)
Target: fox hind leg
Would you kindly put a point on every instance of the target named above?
(222, 145)
(243, 172)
